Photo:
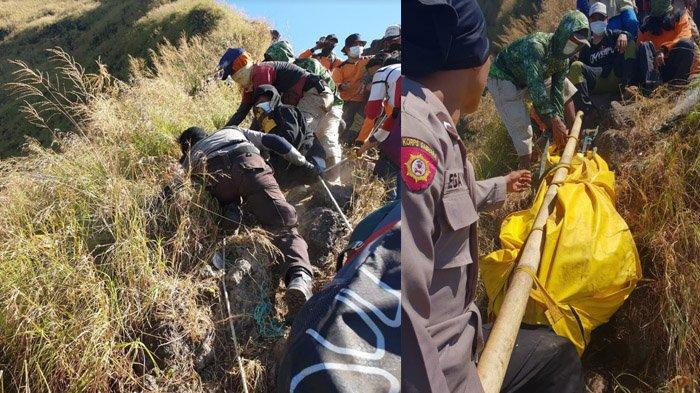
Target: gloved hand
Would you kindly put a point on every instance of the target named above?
(312, 169)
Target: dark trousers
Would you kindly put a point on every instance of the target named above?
(247, 180)
(542, 362)
(676, 69)
(350, 110)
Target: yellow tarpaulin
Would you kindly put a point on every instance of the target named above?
(589, 260)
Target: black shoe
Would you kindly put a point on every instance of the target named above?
(299, 291)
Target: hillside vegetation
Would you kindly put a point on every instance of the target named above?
(97, 273)
(105, 279)
(652, 343)
(111, 31)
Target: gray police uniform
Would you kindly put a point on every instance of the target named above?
(441, 326)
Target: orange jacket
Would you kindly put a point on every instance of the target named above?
(352, 75)
(368, 124)
(669, 38)
(330, 62)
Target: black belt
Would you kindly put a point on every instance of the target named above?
(221, 161)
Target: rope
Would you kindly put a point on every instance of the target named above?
(264, 316)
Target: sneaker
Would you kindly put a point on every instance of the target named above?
(299, 291)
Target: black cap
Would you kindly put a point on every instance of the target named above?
(442, 35)
(332, 37)
(352, 38)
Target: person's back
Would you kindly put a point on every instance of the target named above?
(315, 67)
(664, 31)
(668, 30)
(527, 55)
(280, 51)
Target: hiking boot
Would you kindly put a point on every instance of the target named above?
(299, 291)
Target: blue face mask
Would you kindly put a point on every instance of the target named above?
(265, 106)
(599, 27)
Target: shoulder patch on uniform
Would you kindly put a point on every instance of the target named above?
(418, 164)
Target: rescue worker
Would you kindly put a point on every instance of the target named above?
(279, 51)
(384, 97)
(621, 14)
(392, 41)
(229, 164)
(348, 77)
(536, 66)
(331, 122)
(608, 65)
(445, 67)
(326, 56)
(667, 28)
(274, 118)
(296, 86)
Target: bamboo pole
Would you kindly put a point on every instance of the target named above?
(499, 347)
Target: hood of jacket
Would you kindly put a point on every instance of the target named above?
(572, 22)
(269, 91)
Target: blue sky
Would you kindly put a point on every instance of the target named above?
(303, 22)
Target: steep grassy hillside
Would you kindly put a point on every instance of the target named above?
(110, 31)
(97, 273)
(105, 280)
(651, 344)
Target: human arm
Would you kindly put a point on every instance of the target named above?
(307, 53)
(276, 144)
(240, 115)
(421, 372)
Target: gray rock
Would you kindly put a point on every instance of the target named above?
(323, 230)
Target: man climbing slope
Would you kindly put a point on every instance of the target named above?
(536, 66)
(274, 118)
(445, 65)
(296, 86)
(229, 164)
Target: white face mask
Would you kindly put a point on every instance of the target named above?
(599, 27)
(570, 48)
(355, 51)
(265, 106)
(243, 76)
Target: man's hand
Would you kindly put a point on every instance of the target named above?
(518, 181)
(622, 43)
(312, 169)
(559, 131)
(360, 151)
(660, 60)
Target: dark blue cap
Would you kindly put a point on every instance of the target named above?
(442, 35)
(227, 59)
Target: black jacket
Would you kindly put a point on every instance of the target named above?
(284, 120)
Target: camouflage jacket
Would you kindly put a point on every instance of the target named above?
(530, 60)
(280, 51)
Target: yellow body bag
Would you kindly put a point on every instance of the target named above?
(589, 261)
